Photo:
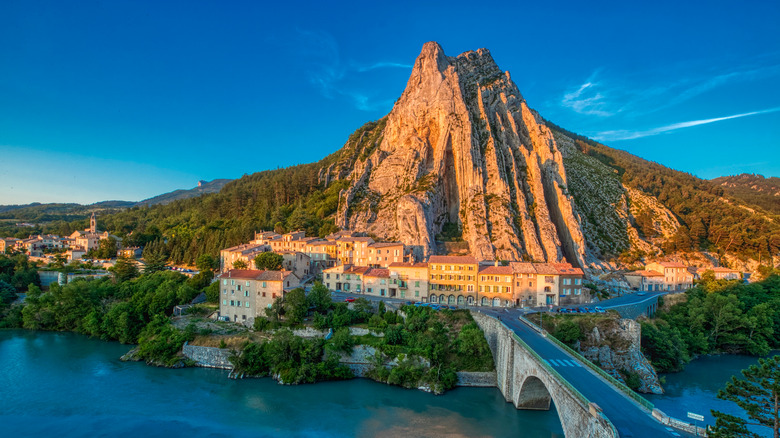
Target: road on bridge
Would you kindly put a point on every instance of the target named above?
(629, 419)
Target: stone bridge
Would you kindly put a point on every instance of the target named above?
(529, 382)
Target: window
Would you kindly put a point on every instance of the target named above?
(327, 276)
(382, 281)
(247, 283)
(238, 288)
(224, 282)
(224, 291)
(232, 303)
(577, 280)
(382, 292)
(416, 284)
(246, 293)
(263, 294)
(567, 281)
(224, 302)
(416, 293)
(247, 304)
(481, 289)
(232, 282)
(263, 284)
(576, 291)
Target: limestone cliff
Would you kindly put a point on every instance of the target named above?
(614, 345)
(462, 146)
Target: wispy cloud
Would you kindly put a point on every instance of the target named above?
(629, 135)
(334, 77)
(383, 65)
(606, 95)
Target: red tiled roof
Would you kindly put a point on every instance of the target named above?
(422, 265)
(545, 268)
(378, 272)
(522, 268)
(496, 270)
(644, 274)
(254, 274)
(567, 269)
(460, 260)
(671, 264)
(356, 269)
(384, 244)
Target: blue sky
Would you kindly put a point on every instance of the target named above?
(129, 99)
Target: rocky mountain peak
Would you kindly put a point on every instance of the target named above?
(461, 150)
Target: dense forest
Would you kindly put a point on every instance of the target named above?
(753, 189)
(710, 220)
(717, 316)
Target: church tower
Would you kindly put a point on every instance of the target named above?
(93, 223)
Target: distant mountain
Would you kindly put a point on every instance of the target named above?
(203, 187)
(37, 212)
(753, 189)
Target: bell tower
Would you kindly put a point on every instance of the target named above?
(93, 223)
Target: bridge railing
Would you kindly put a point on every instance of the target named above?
(620, 385)
(548, 368)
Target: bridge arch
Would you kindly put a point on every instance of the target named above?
(533, 395)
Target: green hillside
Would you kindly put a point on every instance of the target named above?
(753, 189)
(711, 218)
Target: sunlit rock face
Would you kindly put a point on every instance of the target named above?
(461, 146)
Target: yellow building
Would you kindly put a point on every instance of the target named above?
(452, 280)
(495, 286)
(411, 279)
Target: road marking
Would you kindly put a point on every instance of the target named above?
(546, 361)
(554, 362)
(573, 363)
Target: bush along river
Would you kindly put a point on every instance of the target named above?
(69, 385)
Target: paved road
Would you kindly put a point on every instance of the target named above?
(629, 419)
(634, 298)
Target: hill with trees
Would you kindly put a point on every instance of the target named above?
(753, 189)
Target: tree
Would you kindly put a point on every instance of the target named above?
(269, 260)
(206, 262)
(758, 393)
(295, 305)
(125, 269)
(319, 298)
(239, 264)
(155, 256)
(106, 249)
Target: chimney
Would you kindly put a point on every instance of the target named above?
(496, 262)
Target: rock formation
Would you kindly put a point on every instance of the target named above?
(462, 147)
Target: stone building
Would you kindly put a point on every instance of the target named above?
(411, 279)
(495, 286)
(452, 279)
(648, 281)
(245, 293)
(676, 275)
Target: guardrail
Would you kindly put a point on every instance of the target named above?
(617, 383)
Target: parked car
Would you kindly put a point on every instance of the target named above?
(641, 294)
(599, 310)
(581, 310)
(350, 299)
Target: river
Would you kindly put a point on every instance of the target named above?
(67, 385)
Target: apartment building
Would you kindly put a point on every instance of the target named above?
(495, 286)
(676, 275)
(297, 262)
(411, 280)
(345, 278)
(382, 254)
(570, 284)
(719, 272)
(245, 294)
(452, 280)
(245, 252)
(649, 281)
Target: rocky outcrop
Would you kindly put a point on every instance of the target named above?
(462, 146)
(614, 345)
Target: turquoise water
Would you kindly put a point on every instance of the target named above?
(695, 389)
(67, 385)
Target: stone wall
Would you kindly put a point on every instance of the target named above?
(477, 379)
(208, 357)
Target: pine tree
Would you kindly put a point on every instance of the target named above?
(758, 393)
